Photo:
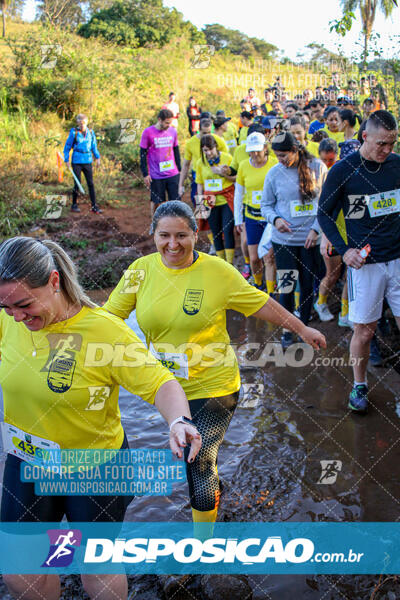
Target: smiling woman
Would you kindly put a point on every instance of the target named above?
(52, 399)
(181, 297)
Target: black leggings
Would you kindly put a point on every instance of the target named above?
(211, 417)
(221, 222)
(88, 172)
(305, 261)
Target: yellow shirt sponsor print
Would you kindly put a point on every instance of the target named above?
(61, 383)
(183, 311)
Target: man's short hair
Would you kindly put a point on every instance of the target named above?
(246, 114)
(81, 117)
(381, 118)
(292, 105)
(165, 113)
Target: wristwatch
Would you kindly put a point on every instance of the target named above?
(182, 420)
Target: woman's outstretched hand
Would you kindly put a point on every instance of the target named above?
(180, 436)
(312, 336)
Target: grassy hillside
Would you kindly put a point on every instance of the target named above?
(109, 83)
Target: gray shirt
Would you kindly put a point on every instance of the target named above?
(281, 198)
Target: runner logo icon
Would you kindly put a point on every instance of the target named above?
(287, 279)
(357, 206)
(61, 551)
(330, 470)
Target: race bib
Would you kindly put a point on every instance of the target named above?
(297, 209)
(231, 143)
(256, 198)
(384, 203)
(166, 165)
(177, 363)
(213, 185)
(30, 448)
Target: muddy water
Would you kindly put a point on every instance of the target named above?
(269, 462)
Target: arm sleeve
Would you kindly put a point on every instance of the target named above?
(238, 203)
(240, 295)
(177, 158)
(320, 174)
(268, 201)
(188, 153)
(141, 373)
(68, 145)
(199, 172)
(221, 143)
(122, 300)
(94, 148)
(330, 203)
(143, 162)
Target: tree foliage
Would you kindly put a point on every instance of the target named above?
(61, 13)
(237, 42)
(368, 10)
(139, 23)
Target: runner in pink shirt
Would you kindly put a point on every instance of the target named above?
(160, 160)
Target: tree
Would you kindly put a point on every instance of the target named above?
(61, 13)
(368, 10)
(139, 23)
(12, 8)
(237, 42)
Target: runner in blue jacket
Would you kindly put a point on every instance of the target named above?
(83, 143)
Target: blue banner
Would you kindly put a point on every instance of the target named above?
(250, 548)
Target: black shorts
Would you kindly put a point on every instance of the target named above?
(160, 187)
(19, 503)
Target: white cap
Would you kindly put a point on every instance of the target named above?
(255, 142)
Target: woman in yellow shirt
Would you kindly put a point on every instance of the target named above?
(181, 302)
(218, 190)
(331, 116)
(55, 396)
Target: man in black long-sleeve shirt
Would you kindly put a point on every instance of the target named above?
(366, 185)
(160, 160)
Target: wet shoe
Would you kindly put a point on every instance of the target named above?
(211, 251)
(95, 209)
(358, 399)
(345, 321)
(75, 208)
(296, 313)
(323, 312)
(246, 271)
(374, 354)
(287, 339)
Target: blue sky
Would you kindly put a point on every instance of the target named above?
(290, 25)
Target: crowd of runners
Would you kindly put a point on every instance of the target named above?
(268, 175)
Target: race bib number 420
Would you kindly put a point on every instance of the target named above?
(384, 203)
